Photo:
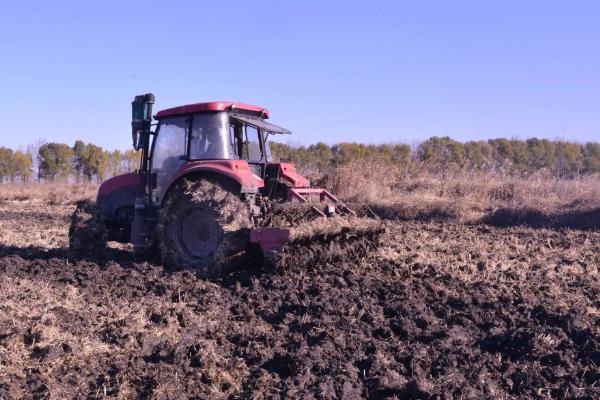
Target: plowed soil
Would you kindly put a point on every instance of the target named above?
(434, 311)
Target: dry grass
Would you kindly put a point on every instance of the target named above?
(23, 207)
(396, 193)
(34, 223)
(54, 193)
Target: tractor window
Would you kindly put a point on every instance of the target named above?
(170, 143)
(251, 148)
(210, 138)
(246, 142)
(268, 155)
(169, 150)
(235, 133)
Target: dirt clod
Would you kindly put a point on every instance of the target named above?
(87, 233)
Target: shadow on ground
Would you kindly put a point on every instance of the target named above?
(41, 253)
(240, 271)
(583, 220)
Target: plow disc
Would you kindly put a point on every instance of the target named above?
(353, 239)
(295, 234)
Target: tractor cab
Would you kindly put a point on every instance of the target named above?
(213, 131)
(217, 131)
(208, 135)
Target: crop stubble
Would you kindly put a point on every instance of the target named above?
(436, 310)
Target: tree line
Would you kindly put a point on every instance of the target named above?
(52, 162)
(86, 162)
(441, 154)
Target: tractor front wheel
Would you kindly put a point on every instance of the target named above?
(202, 227)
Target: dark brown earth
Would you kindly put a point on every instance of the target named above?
(435, 311)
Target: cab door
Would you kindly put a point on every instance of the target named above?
(169, 153)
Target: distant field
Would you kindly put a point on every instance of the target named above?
(59, 193)
(395, 193)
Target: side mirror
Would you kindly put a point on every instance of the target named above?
(141, 119)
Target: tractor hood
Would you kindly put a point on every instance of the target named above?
(116, 193)
(118, 182)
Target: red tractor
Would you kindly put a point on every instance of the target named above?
(205, 187)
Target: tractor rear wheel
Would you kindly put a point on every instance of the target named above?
(202, 227)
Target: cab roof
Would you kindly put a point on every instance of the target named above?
(211, 106)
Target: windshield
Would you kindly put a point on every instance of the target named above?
(210, 138)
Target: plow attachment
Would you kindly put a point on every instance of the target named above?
(304, 195)
(322, 241)
(312, 228)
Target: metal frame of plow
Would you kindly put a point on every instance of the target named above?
(271, 240)
(298, 194)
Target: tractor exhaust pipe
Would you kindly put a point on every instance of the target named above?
(141, 125)
(141, 119)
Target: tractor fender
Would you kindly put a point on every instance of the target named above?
(289, 173)
(116, 193)
(235, 175)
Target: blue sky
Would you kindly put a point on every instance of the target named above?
(376, 72)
